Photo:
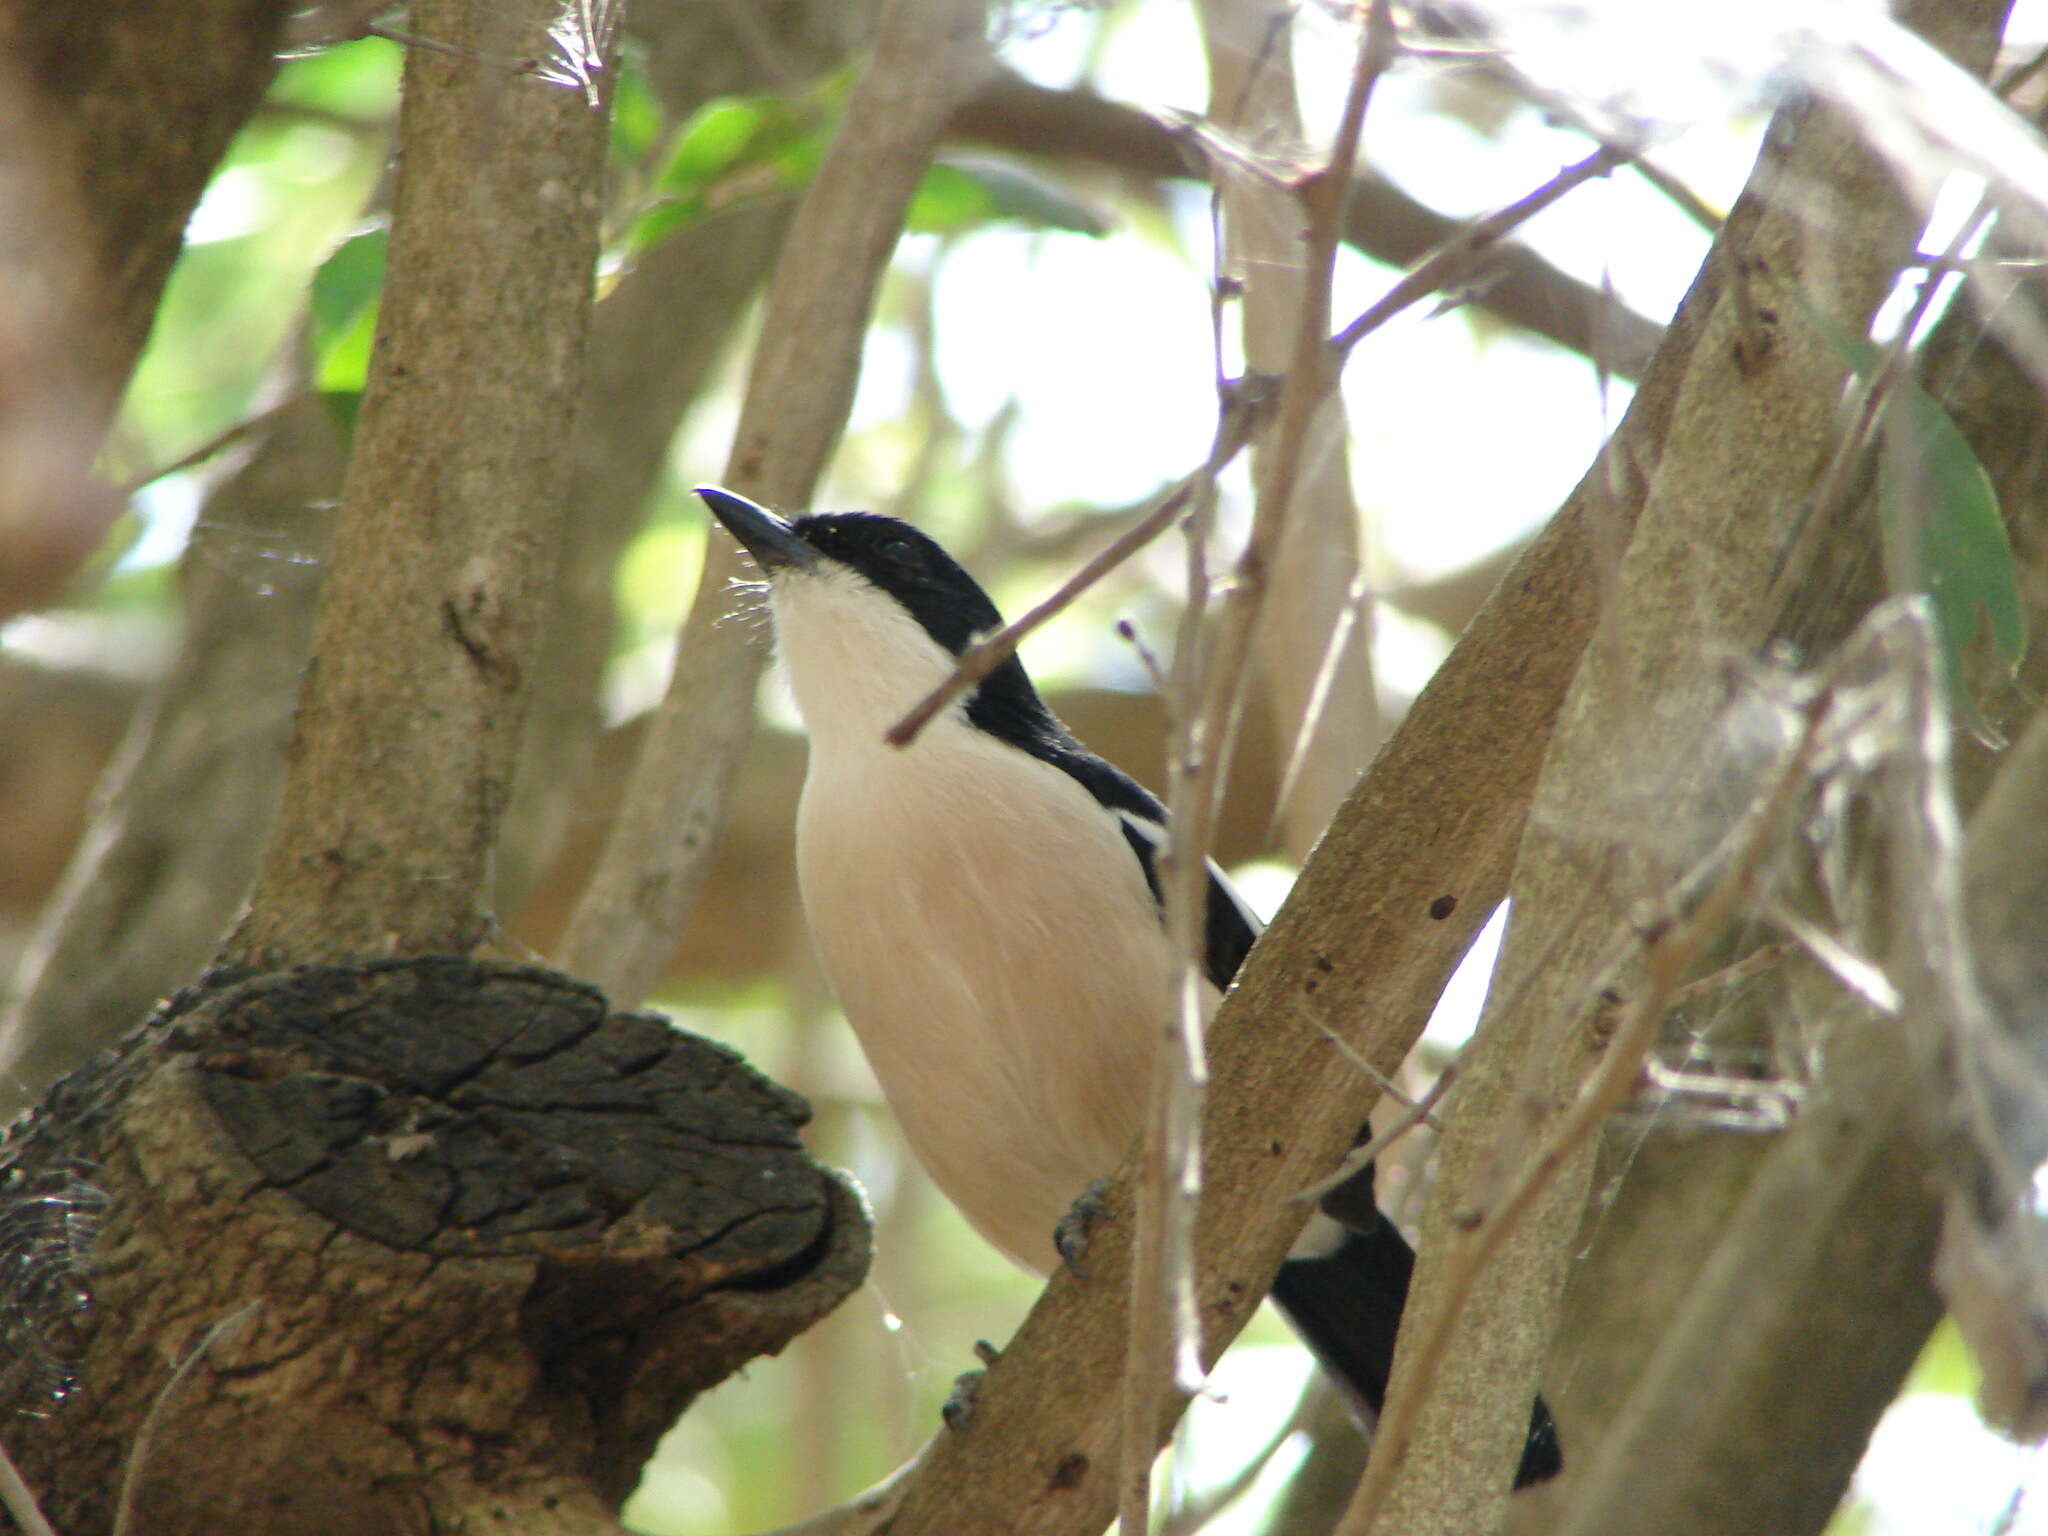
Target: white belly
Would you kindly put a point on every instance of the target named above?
(1006, 975)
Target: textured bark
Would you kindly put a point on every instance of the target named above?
(1644, 1304)
(1634, 788)
(409, 721)
(173, 853)
(420, 1246)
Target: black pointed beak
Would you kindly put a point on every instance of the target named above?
(768, 538)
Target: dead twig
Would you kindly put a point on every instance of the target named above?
(19, 1502)
(1163, 1319)
(1456, 257)
(1420, 1111)
(1242, 417)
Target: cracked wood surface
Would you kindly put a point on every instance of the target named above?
(475, 1238)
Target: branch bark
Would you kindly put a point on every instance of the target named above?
(471, 1242)
(1633, 768)
(410, 716)
(112, 117)
(156, 879)
(1659, 1359)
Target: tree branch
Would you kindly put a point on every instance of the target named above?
(112, 117)
(409, 721)
(1632, 762)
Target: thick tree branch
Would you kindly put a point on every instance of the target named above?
(175, 842)
(410, 716)
(1645, 1311)
(1713, 570)
(477, 1240)
(112, 117)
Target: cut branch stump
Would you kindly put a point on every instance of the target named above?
(417, 1245)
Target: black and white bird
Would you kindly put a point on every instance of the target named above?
(985, 906)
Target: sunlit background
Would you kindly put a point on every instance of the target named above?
(1065, 373)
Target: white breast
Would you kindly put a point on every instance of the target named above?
(1004, 970)
(983, 922)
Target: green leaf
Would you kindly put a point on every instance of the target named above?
(1018, 192)
(731, 149)
(947, 199)
(657, 222)
(714, 138)
(344, 405)
(1933, 491)
(961, 192)
(348, 281)
(341, 357)
(636, 110)
(346, 290)
(1930, 482)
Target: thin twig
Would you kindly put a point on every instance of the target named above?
(2020, 73)
(1386, 1085)
(145, 1437)
(1756, 961)
(1198, 767)
(220, 442)
(1357, 598)
(865, 1512)
(1128, 633)
(1196, 1513)
(468, 55)
(1239, 425)
(1419, 1112)
(1456, 256)
(19, 1502)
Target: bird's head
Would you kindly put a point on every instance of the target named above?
(870, 613)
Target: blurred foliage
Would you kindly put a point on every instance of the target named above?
(1940, 515)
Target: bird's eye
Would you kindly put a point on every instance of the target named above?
(899, 551)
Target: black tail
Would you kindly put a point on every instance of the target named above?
(1347, 1305)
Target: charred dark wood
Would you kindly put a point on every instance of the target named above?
(420, 1245)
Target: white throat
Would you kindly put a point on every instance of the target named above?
(857, 661)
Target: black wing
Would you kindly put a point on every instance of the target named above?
(1229, 925)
